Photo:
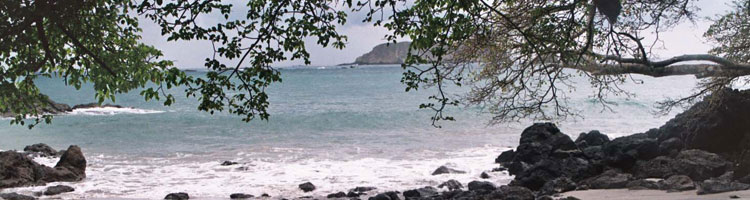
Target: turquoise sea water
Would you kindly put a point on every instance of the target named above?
(336, 127)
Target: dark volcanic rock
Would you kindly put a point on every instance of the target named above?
(421, 192)
(592, 138)
(623, 152)
(363, 189)
(307, 187)
(41, 149)
(447, 170)
(71, 167)
(678, 183)
(177, 196)
(721, 184)
(547, 170)
(240, 196)
(506, 156)
(512, 193)
(670, 146)
(540, 140)
(18, 170)
(700, 165)
(611, 179)
(16, 196)
(481, 185)
(559, 185)
(95, 105)
(484, 175)
(337, 195)
(717, 125)
(593, 152)
(58, 189)
(659, 167)
(386, 196)
(451, 185)
(228, 163)
(643, 184)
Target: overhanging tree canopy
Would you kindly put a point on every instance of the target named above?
(515, 50)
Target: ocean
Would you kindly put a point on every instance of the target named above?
(335, 127)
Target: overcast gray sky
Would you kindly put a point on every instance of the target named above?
(683, 39)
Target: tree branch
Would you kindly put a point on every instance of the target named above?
(86, 50)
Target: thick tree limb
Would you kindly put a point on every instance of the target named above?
(722, 66)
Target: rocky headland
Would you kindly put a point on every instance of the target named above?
(385, 54)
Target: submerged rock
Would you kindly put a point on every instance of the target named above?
(337, 195)
(96, 105)
(228, 163)
(484, 175)
(447, 170)
(386, 196)
(481, 185)
(15, 196)
(421, 192)
(307, 187)
(451, 185)
(363, 189)
(240, 196)
(41, 149)
(177, 196)
(58, 189)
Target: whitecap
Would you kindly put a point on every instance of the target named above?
(111, 111)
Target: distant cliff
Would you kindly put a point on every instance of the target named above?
(386, 53)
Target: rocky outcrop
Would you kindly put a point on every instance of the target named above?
(96, 105)
(18, 170)
(44, 107)
(58, 189)
(446, 170)
(41, 149)
(387, 53)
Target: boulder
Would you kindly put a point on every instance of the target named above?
(700, 165)
(643, 184)
(670, 146)
(558, 185)
(512, 193)
(17, 170)
(717, 124)
(307, 187)
(659, 167)
(71, 167)
(481, 185)
(240, 196)
(447, 170)
(353, 194)
(363, 189)
(15, 196)
(58, 189)
(337, 195)
(610, 179)
(451, 185)
(228, 163)
(506, 156)
(41, 149)
(592, 138)
(593, 152)
(721, 184)
(623, 152)
(386, 196)
(177, 196)
(678, 183)
(95, 105)
(484, 175)
(539, 141)
(421, 192)
(547, 170)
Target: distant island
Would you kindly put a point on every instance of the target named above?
(384, 54)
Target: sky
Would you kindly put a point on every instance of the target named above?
(686, 38)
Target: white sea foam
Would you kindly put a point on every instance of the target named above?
(111, 111)
(110, 176)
